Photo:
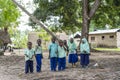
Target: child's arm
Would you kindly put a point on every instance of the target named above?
(76, 51)
(34, 53)
(49, 55)
(66, 49)
(26, 55)
(49, 51)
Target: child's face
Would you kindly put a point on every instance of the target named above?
(29, 44)
(39, 42)
(61, 43)
(83, 42)
(65, 42)
(71, 40)
(53, 40)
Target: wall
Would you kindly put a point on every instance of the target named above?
(106, 42)
(32, 37)
(118, 39)
(62, 36)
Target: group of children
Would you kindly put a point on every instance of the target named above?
(57, 54)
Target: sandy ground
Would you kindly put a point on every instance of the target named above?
(108, 68)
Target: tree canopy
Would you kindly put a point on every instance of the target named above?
(70, 14)
(107, 13)
(9, 13)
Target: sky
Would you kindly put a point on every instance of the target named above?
(24, 19)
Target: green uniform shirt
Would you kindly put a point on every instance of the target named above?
(29, 54)
(72, 47)
(61, 52)
(53, 49)
(38, 50)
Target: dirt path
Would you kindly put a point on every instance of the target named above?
(12, 68)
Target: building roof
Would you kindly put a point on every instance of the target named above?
(98, 32)
(105, 31)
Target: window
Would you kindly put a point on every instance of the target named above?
(103, 37)
(111, 36)
(92, 38)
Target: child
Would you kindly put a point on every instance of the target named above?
(66, 46)
(85, 52)
(72, 52)
(38, 55)
(29, 53)
(61, 56)
(53, 54)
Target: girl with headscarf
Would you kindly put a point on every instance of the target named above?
(72, 52)
(84, 53)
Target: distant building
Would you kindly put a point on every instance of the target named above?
(103, 38)
(32, 37)
(62, 36)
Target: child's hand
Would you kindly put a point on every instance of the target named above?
(48, 57)
(67, 53)
(26, 55)
(31, 57)
(84, 51)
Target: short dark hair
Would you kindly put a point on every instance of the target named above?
(29, 43)
(38, 39)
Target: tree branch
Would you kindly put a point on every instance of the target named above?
(94, 8)
(35, 20)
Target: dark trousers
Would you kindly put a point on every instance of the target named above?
(84, 59)
(53, 63)
(61, 63)
(38, 62)
(28, 66)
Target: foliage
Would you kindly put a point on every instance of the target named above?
(107, 13)
(19, 39)
(8, 13)
(70, 12)
(67, 10)
(45, 38)
(108, 49)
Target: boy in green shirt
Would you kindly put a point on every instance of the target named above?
(61, 56)
(53, 47)
(29, 53)
(38, 55)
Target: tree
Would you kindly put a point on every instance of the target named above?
(68, 12)
(45, 37)
(87, 15)
(40, 23)
(108, 13)
(9, 13)
(97, 12)
(53, 8)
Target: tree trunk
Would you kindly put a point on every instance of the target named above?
(35, 20)
(86, 21)
(87, 15)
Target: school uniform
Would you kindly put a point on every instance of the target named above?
(38, 53)
(61, 58)
(72, 53)
(84, 53)
(29, 60)
(53, 56)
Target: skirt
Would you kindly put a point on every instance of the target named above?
(73, 58)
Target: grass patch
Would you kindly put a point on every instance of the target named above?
(108, 49)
